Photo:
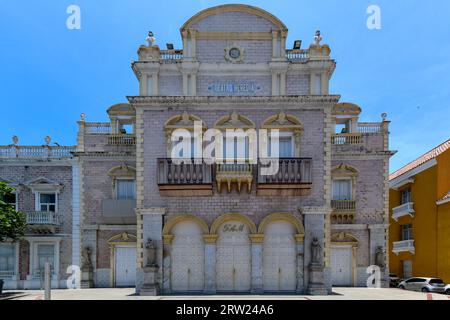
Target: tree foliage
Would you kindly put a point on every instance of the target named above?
(12, 222)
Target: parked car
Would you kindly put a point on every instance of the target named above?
(394, 280)
(447, 289)
(423, 284)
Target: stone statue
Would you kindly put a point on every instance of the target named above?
(316, 251)
(151, 253)
(379, 257)
(317, 38)
(15, 140)
(151, 39)
(86, 254)
(47, 140)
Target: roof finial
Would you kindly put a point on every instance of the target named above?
(384, 116)
(82, 116)
(47, 140)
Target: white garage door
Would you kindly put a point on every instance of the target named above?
(341, 264)
(125, 266)
(188, 258)
(279, 257)
(233, 258)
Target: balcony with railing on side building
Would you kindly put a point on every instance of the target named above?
(368, 136)
(403, 246)
(46, 151)
(43, 221)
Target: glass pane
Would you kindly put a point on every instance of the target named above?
(47, 198)
(342, 190)
(7, 257)
(285, 147)
(126, 189)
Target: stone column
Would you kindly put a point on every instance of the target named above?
(257, 263)
(210, 263)
(299, 239)
(152, 223)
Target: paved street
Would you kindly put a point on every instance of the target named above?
(128, 294)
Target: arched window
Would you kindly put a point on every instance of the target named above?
(289, 129)
(180, 129)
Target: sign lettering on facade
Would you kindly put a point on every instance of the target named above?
(234, 87)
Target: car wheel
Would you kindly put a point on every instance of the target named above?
(425, 290)
(447, 292)
(401, 287)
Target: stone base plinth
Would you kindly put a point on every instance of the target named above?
(150, 286)
(87, 278)
(316, 286)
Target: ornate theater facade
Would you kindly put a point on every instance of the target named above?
(139, 218)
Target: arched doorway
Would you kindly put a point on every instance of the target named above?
(233, 253)
(187, 253)
(279, 257)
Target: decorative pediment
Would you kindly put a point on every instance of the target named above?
(182, 121)
(123, 237)
(344, 238)
(344, 170)
(283, 121)
(43, 184)
(345, 108)
(234, 121)
(123, 170)
(121, 109)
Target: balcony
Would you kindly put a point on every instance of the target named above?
(98, 128)
(343, 205)
(297, 55)
(403, 210)
(293, 177)
(346, 138)
(193, 178)
(239, 173)
(43, 221)
(403, 246)
(343, 211)
(119, 211)
(36, 152)
(122, 140)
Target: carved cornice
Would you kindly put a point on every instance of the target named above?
(142, 101)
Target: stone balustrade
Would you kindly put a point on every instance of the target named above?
(36, 152)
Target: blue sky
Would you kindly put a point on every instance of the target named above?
(50, 74)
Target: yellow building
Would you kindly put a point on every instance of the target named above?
(419, 205)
